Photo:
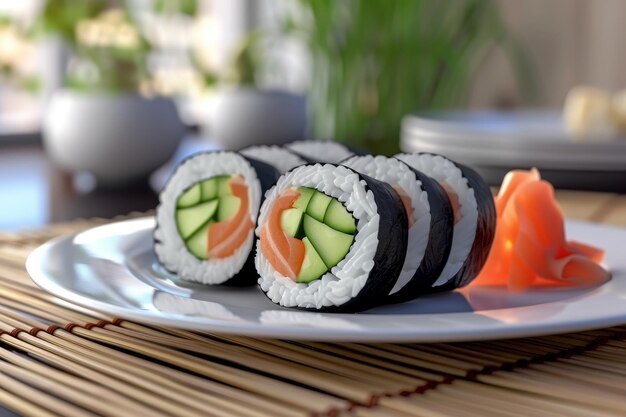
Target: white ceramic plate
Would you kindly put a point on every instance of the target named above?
(113, 269)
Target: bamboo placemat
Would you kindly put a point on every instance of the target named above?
(62, 361)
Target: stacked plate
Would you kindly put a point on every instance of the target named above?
(495, 142)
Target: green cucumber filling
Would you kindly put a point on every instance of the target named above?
(206, 202)
(325, 227)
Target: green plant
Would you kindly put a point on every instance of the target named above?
(242, 70)
(373, 61)
(109, 51)
(15, 45)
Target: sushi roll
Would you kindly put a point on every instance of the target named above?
(323, 151)
(280, 158)
(206, 217)
(474, 216)
(430, 222)
(330, 239)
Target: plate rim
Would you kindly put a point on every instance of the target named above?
(497, 331)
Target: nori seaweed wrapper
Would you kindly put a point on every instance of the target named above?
(485, 231)
(439, 241)
(267, 175)
(312, 160)
(390, 253)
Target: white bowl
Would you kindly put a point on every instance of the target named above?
(247, 116)
(119, 138)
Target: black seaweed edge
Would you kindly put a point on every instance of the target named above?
(267, 176)
(485, 229)
(390, 252)
(439, 241)
(305, 161)
(393, 234)
(313, 161)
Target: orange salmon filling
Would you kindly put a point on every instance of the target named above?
(284, 252)
(225, 237)
(306, 234)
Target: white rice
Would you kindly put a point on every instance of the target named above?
(171, 249)
(394, 172)
(320, 150)
(346, 279)
(446, 172)
(279, 158)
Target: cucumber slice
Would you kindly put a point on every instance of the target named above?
(291, 221)
(188, 220)
(339, 218)
(223, 187)
(330, 244)
(318, 205)
(305, 196)
(190, 197)
(199, 241)
(229, 205)
(208, 189)
(312, 267)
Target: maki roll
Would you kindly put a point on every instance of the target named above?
(430, 222)
(206, 217)
(280, 158)
(330, 239)
(474, 216)
(320, 150)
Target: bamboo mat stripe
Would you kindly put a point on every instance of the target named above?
(60, 360)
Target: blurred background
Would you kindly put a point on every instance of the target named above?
(100, 98)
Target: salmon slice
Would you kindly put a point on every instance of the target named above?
(274, 257)
(530, 246)
(227, 236)
(285, 253)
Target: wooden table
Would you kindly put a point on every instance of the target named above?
(58, 360)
